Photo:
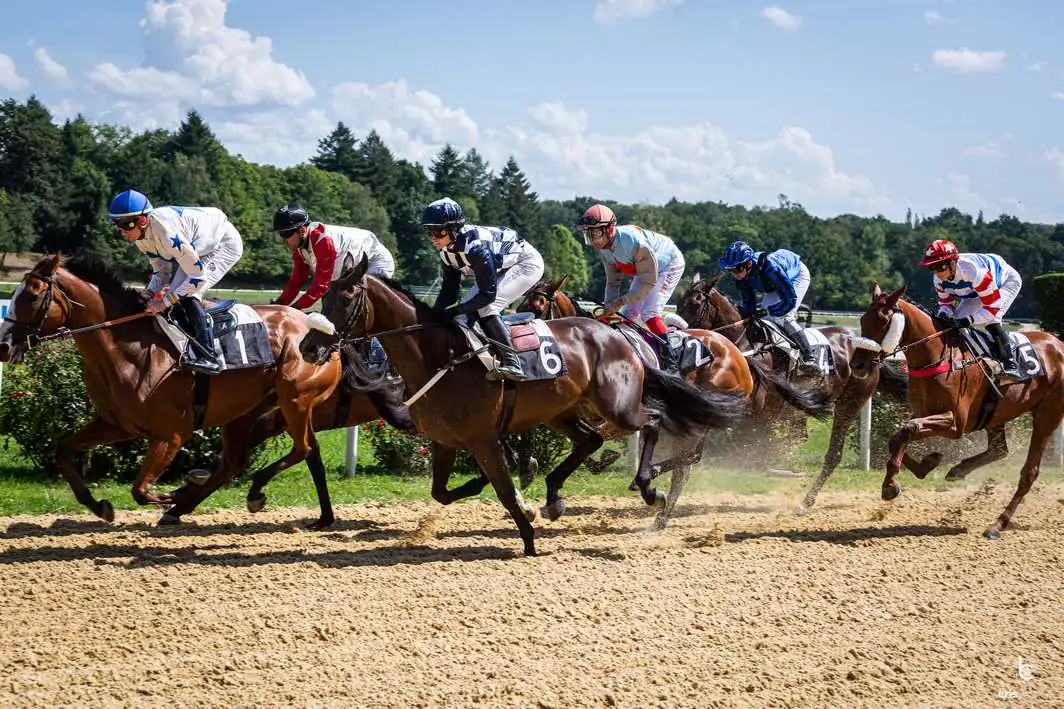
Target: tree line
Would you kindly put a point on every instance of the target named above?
(56, 180)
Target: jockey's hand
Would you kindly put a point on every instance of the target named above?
(962, 322)
(145, 296)
(448, 313)
(612, 307)
(755, 312)
(162, 301)
(943, 322)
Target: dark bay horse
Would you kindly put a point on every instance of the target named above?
(137, 391)
(727, 371)
(705, 307)
(948, 386)
(462, 410)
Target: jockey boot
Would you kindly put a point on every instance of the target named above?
(509, 365)
(1004, 350)
(205, 361)
(793, 330)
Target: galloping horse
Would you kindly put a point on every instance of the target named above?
(951, 394)
(460, 409)
(137, 391)
(705, 307)
(727, 371)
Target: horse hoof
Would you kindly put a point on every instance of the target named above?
(658, 525)
(891, 491)
(313, 526)
(256, 504)
(660, 498)
(169, 520)
(104, 510)
(992, 534)
(197, 476)
(633, 487)
(530, 513)
(954, 474)
(553, 511)
(801, 510)
(526, 479)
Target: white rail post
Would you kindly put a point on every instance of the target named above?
(1055, 454)
(351, 454)
(633, 452)
(866, 435)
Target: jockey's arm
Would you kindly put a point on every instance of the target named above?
(450, 288)
(189, 261)
(482, 261)
(788, 299)
(945, 300)
(300, 271)
(646, 275)
(613, 279)
(325, 258)
(989, 297)
(161, 273)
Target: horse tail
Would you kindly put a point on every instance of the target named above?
(894, 383)
(683, 407)
(812, 402)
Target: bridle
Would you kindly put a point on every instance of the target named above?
(549, 297)
(35, 326)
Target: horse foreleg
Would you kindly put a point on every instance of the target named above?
(643, 478)
(161, 453)
(912, 430)
(586, 441)
(680, 477)
(492, 460)
(845, 415)
(442, 467)
(237, 444)
(997, 447)
(1046, 422)
(95, 433)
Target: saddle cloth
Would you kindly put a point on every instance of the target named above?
(240, 336)
(819, 346)
(539, 352)
(1028, 361)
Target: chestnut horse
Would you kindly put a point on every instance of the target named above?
(948, 387)
(137, 391)
(460, 409)
(706, 307)
(727, 371)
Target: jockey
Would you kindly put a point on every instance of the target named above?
(190, 250)
(503, 264)
(784, 280)
(322, 247)
(974, 289)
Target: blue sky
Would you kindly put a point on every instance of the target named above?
(866, 107)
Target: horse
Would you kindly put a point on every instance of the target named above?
(706, 307)
(727, 371)
(459, 409)
(951, 393)
(137, 391)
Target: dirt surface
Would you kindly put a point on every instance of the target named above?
(860, 604)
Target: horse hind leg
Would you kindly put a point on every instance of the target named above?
(586, 441)
(845, 415)
(997, 447)
(159, 456)
(95, 433)
(237, 444)
(492, 460)
(1047, 418)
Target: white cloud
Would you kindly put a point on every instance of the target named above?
(781, 18)
(1055, 156)
(9, 76)
(1037, 66)
(985, 150)
(193, 56)
(607, 11)
(962, 194)
(556, 116)
(1058, 95)
(51, 68)
(279, 137)
(65, 109)
(933, 18)
(966, 60)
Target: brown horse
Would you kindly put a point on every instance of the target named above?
(132, 378)
(705, 307)
(727, 371)
(948, 389)
(460, 409)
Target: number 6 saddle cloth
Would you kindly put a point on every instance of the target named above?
(536, 347)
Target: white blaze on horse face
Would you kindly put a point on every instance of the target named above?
(893, 336)
(317, 321)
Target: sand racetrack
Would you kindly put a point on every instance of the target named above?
(860, 604)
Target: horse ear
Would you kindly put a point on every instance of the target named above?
(697, 278)
(893, 298)
(876, 291)
(53, 265)
(557, 285)
(352, 274)
(712, 282)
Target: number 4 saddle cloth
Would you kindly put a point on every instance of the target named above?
(539, 352)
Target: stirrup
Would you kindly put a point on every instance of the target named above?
(503, 372)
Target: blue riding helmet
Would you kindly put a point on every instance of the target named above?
(128, 204)
(738, 253)
(443, 213)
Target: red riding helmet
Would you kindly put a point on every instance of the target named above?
(940, 250)
(598, 216)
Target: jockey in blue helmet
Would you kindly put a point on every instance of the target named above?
(190, 250)
(503, 264)
(784, 280)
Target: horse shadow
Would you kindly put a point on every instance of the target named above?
(849, 537)
(73, 527)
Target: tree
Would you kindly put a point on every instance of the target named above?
(194, 139)
(477, 177)
(377, 169)
(563, 256)
(338, 152)
(448, 174)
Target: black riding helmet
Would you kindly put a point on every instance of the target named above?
(290, 217)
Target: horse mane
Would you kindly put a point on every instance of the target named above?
(420, 307)
(91, 268)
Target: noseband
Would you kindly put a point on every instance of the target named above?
(35, 326)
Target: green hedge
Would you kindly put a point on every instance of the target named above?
(1049, 297)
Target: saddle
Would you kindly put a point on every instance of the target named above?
(676, 352)
(981, 344)
(540, 355)
(766, 335)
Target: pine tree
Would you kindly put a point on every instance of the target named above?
(448, 174)
(477, 177)
(377, 169)
(194, 139)
(338, 152)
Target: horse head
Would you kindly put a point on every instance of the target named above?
(703, 306)
(344, 314)
(882, 327)
(39, 307)
(546, 300)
